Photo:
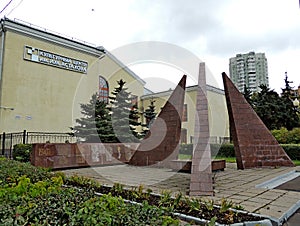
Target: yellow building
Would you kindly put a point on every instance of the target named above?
(218, 117)
(45, 76)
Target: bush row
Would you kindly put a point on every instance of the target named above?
(35, 196)
(227, 150)
(21, 152)
(284, 136)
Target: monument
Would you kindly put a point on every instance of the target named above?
(254, 144)
(161, 144)
(201, 171)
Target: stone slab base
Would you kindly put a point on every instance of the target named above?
(186, 165)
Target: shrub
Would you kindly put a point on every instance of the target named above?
(32, 196)
(114, 211)
(21, 152)
(186, 149)
(226, 150)
(294, 136)
(215, 149)
(11, 170)
(284, 136)
(292, 150)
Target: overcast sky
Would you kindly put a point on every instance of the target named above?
(213, 30)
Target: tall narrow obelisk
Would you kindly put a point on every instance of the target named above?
(201, 173)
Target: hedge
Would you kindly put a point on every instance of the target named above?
(227, 150)
(293, 150)
(21, 152)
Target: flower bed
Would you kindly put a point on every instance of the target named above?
(37, 196)
(187, 208)
(34, 196)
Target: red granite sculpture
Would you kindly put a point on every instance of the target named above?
(254, 144)
(161, 144)
(201, 172)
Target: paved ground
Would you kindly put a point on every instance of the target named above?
(294, 220)
(292, 185)
(236, 185)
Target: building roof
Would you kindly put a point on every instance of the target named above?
(63, 40)
(124, 67)
(188, 89)
(31, 30)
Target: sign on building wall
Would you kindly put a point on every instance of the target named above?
(53, 59)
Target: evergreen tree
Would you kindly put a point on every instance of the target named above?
(124, 114)
(290, 118)
(95, 126)
(134, 120)
(274, 110)
(267, 105)
(150, 115)
(287, 90)
(247, 94)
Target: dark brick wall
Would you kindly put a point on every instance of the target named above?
(57, 156)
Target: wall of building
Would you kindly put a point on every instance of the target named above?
(45, 97)
(250, 70)
(218, 116)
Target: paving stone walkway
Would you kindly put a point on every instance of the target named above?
(232, 184)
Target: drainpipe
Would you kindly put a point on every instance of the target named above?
(2, 37)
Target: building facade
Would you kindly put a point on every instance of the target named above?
(217, 112)
(44, 77)
(250, 70)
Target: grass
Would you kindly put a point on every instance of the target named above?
(184, 157)
(296, 162)
(228, 159)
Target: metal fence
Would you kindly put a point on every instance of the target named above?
(8, 140)
(219, 140)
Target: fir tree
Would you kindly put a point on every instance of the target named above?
(274, 110)
(247, 94)
(290, 118)
(124, 114)
(95, 126)
(134, 120)
(267, 105)
(149, 115)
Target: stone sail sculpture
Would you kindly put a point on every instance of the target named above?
(254, 144)
(161, 144)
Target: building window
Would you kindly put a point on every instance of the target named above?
(134, 106)
(134, 100)
(191, 139)
(103, 89)
(183, 136)
(185, 113)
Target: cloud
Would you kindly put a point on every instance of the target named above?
(178, 21)
(212, 29)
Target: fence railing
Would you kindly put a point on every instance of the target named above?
(8, 140)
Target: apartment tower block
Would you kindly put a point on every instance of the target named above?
(250, 70)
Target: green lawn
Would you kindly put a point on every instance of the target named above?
(228, 159)
(296, 162)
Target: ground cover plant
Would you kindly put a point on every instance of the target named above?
(37, 196)
(225, 213)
